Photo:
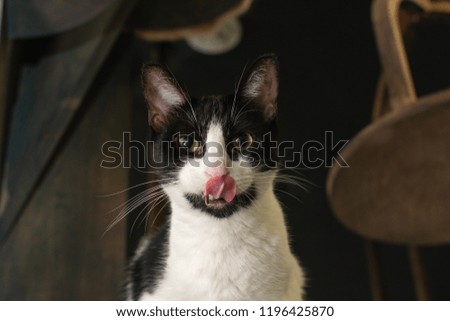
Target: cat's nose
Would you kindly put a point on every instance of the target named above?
(215, 159)
(216, 171)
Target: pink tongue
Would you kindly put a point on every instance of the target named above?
(221, 187)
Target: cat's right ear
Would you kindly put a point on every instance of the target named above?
(162, 94)
(260, 84)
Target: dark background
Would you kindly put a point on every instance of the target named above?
(329, 68)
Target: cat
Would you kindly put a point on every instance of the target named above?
(226, 237)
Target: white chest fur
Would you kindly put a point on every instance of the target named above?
(243, 257)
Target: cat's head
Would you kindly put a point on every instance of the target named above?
(216, 153)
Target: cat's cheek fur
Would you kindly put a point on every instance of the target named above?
(191, 178)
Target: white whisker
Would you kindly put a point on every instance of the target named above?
(236, 89)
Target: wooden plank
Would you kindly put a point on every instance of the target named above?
(57, 250)
(2, 4)
(6, 46)
(50, 94)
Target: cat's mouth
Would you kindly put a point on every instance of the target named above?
(219, 206)
(213, 202)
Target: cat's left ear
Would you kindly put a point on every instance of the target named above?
(162, 94)
(261, 85)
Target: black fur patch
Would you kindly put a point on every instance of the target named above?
(147, 270)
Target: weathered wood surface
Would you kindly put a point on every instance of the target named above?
(57, 250)
(52, 89)
(6, 80)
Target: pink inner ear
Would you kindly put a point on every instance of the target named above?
(155, 121)
(270, 111)
(268, 88)
(162, 95)
(262, 87)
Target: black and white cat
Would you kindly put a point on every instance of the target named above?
(226, 237)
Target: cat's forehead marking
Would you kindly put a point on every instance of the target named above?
(215, 133)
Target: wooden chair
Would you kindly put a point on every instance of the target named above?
(397, 188)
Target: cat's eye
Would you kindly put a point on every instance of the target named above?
(242, 142)
(188, 142)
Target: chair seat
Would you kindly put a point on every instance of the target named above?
(397, 188)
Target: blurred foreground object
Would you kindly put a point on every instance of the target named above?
(396, 188)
